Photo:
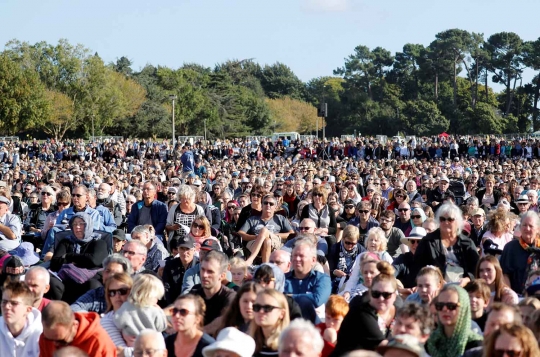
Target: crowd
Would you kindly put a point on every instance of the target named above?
(248, 248)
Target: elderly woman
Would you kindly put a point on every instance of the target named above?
(447, 249)
(321, 213)
(182, 215)
(418, 217)
(412, 192)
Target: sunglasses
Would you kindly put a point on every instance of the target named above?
(414, 241)
(63, 204)
(349, 206)
(121, 292)
(46, 193)
(363, 211)
(348, 243)
(317, 195)
(447, 219)
(195, 225)
(416, 217)
(183, 312)
(269, 203)
(377, 294)
(78, 195)
(231, 207)
(303, 228)
(508, 353)
(400, 196)
(264, 308)
(403, 209)
(451, 306)
(256, 195)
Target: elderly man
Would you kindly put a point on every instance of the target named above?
(439, 194)
(265, 232)
(94, 300)
(150, 343)
(148, 211)
(307, 225)
(38, 280)
(10, 225)
(300, 338)
(103, 199)
(156, 250)
(309, 288)
(135, 251)
(20, 323)
(282, 259)
(62, 327)
(107, 218)
(363, 220)
(478, 227)
(523, 204)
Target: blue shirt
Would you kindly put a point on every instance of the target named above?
(69, 212)
(317, 287)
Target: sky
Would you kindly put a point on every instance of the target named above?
(312, 37)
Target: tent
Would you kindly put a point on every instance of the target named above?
(443, 135)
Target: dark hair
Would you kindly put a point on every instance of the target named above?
(200, 306)
(479, 286)
(232, 316)
(419, 313)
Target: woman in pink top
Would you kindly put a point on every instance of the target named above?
(200, 231)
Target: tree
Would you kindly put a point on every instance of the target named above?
(424, 118)
(61, 118)
(278, 80)
(531, 58)
(287, 114)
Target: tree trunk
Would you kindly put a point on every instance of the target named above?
(436, 86)
(455, 82)
(535, 105)
(486, 84)
(509, 94)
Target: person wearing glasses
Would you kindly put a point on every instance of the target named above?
(363, 220)
(453, 335)
(404, 263)
(187, 319)
(322, 214)
(240, 313)
(441, 193)
(375, 314)
(342, 257)
(39, 211)
(135, 251)
(447, 248)
(182, 215)
(62, 327)
(116, 291)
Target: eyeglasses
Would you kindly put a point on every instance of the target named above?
(129, 252)
(256, 195)
(508, 353)
(451, 306)
(183, 312)
(268, 203)
(403, 209)
(120, 292)
(363, 211)
(348, 243)
(385, 294)
(78, 195)
(447, 219)
(416, 217)
(264, 308)
(195, 225)
(400, 196)
(46, 193)
(301, 228)
(63, 204)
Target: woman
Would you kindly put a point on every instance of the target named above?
(349, 210)
(352, 192)
(490, 270)
(398, 197)
(370, 190)
(375, 314)
(117, 289)
(344, 195)
(291, 199)
(271, 317)
(418, 217)
(182, 215)
(512, 340)
(404, 263)
(498, 229)
(322, 214)
(412, 192)
(252, 209)
(187, 320)
(342, 256)
(453, 335)
(447, 249)
(487, 196)
(470, 189)
(377, 203)
(229, 211)
(240, 313)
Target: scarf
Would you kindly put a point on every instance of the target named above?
(346, 259)
(533, 261)
(421, 213)
(440, 345)
(412, 194)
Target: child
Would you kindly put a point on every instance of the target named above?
(376, 243)
(141, 310)
(238, 269)
(336, 309)
(479, 295)
(429, 282)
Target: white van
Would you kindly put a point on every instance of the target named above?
(291, 136)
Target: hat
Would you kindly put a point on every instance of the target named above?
(186, 241)
(425, 177)
(521, 199)
(534, 287)
(278, 193)
(416, 233)
(444, 178)
(466, 228)
(13, 266)
(172, 189)
(4, 199)
(348, 202)
(504, 203)
(119, 234)
(233, 340)
(3, 259)
(280, 180)
(197, 182)
(317, 181)
(25, 251)
(331, 179)
(3, 184)
(192, 175)
(480, 212)
(407, 343)
(244, 180)
(235, 174)
(211, 244)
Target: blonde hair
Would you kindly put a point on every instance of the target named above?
(255, 330)
(237, 263)
(432, 271)
(146, 290)
(377, 232)
(351, 232)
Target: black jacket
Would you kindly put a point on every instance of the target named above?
(173, 275)
(91, 255)
(430, 252)
(496, 196)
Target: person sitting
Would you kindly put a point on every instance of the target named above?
(479, 295)
(156, 251)
(34, 223)
(342, 257)
(231, 342)
(404, 263)
(300, 337)
(336, 310)
(176, 267)
(150, 340)
(11, 227)
(38, 280)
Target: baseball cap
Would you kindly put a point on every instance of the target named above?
(211, 244)
(479, 212)
(244, 180)
(444, 178)
(172, 189)
(4, 199)
(186, 241)
(197, 182)
(119, 234)
(192, 175)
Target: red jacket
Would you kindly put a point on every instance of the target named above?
(90, 337)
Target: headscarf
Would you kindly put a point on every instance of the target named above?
(440, 345)
(88, 231)
(421, 213)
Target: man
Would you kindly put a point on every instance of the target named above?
(402, 346)
(10, 225)
(413, 319)
(403, 222)
(265, 232)
(393, 234)
(20, 323)
(135, 251)
(188, 163)
(94, 300)
(216, 296)
(62, 327)
(70, 351)
(156, 250)
(478, 228)
(175, 268)
(38, 280)
(300, 338)
(386, 189)
(148, 211)
(309, 288)
(119, 239)
(438, 195)
(363, 220)
(192, 276)
(115, 195)
(103, 199)
(107, 218)
(282, 259)
(523, 204)
(80, 204)
(532, 195)
(516, 253)
(150, 343)
(307, 225)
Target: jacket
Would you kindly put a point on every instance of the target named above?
(26, 344)
(430, 252)
(496, 196)
(158, 213)
(90, 337)
(315, 287)
(70, 212)
(173, 276)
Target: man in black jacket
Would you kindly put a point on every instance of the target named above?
(175, 268)
(439, 194)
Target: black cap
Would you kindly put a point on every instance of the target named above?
(278, 193)
(348, 202)
(186, 241)
(211, 244)
(491, 248)
(119, 234)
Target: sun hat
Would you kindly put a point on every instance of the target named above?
(25, 251)
(231, 339)
(406, 343)
(416, 233)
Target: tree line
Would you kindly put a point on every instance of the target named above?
(61, 89)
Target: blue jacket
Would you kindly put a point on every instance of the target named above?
(188, 163)
(316, 287)
(109, 225)
(69, 212)
(158, 213)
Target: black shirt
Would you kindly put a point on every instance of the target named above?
(203, 342)
(216, 304)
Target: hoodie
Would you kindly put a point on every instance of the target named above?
(26, 344)
(90, 337)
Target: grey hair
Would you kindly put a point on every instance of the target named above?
(533, 215)
(141, 229)
(305, 327)
(157, 337)
(140, 245)
(473, 199)
(43, 271)
(450, 210)
(220, 257)
(119, 259)
(186, 191)
(50, 190)
(307, 239)
(91, 192)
